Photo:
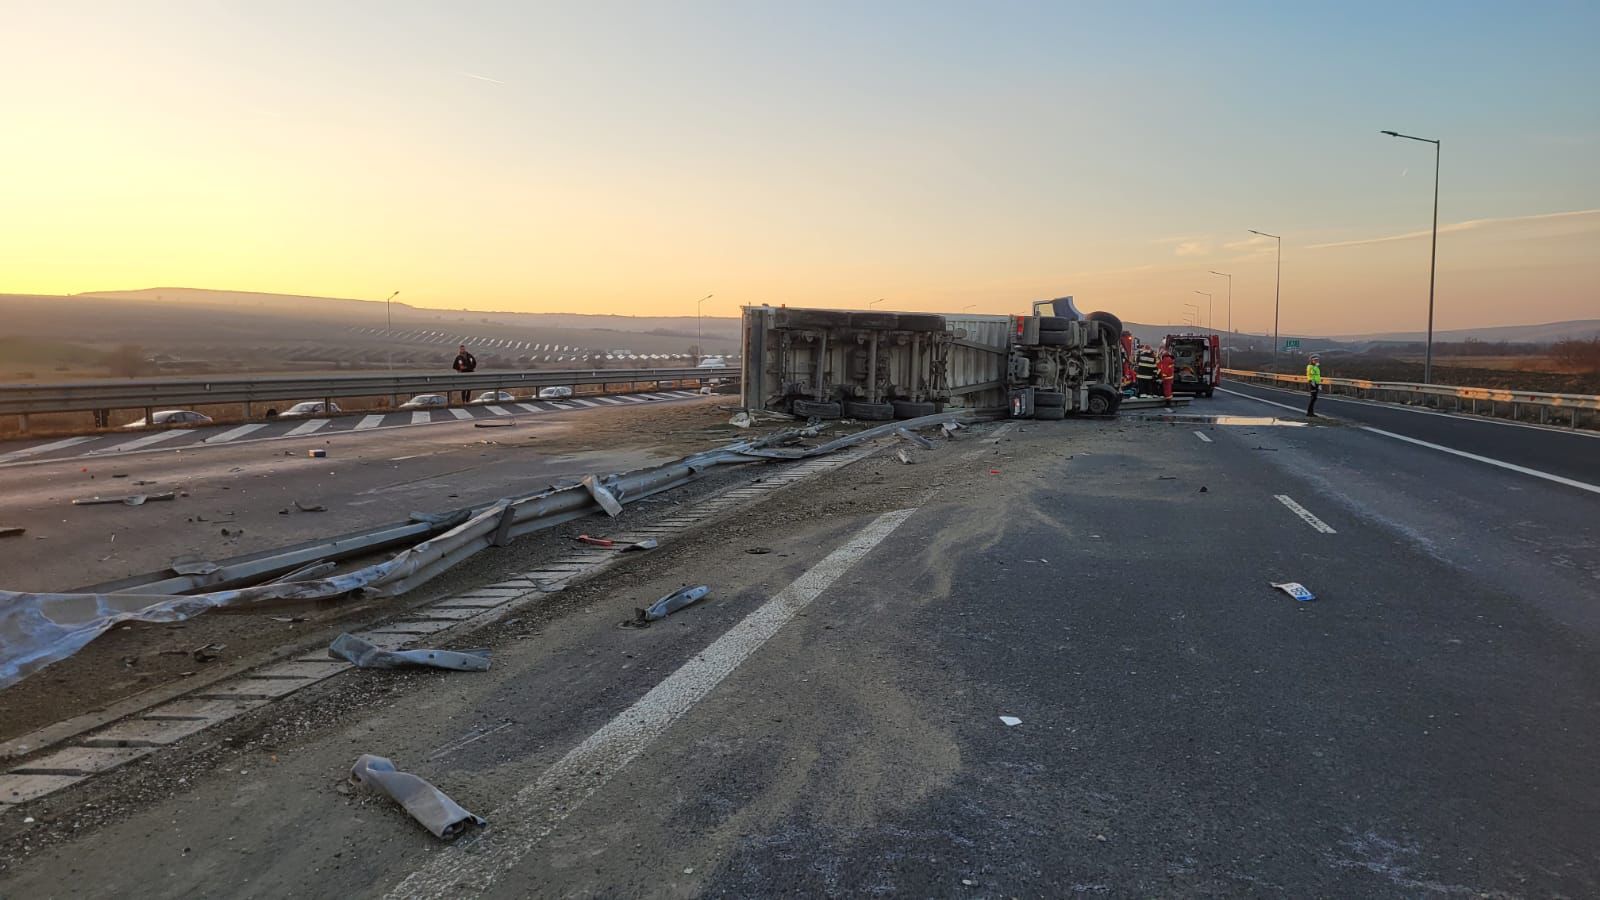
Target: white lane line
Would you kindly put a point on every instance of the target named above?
(538, 808)
(1443, 414)
(460, 413)
(1569, 482)
(368, 422)
(659, 397)
(1203, 436)
(421, 417)
(232, 434)
(307, 427)
(44, 448)
(136, 443)
(1272, 402)
(632, 399)
(584, 403)
(530, 407)
(498, 410)
(685, 394)
(1304, 513)
(612, 400)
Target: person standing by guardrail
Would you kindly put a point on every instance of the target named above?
(465, 363)
(1313, 383)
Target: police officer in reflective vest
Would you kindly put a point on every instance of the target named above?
(1313, 382)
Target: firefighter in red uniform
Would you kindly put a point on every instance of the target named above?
(1167, 370)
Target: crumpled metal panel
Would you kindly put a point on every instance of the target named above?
(367, 655)
(426, 803)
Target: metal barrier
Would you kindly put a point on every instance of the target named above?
(158, 393)
(1571, 410)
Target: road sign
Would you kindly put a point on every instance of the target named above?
(1291, 343)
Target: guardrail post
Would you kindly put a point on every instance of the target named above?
(22, 423)
(148, 415)
(247, 409)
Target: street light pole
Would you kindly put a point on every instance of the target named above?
(1230, 306)
(1277, 288)
(875, 303)
(1211, 322)
(699, 333)
(1433, 256)
(388, 338)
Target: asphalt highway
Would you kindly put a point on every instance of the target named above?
(1046, 660)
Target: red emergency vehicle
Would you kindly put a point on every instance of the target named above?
(1198, 358)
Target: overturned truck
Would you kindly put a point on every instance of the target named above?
(876, 366)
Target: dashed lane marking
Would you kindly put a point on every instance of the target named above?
(1203, 436)
(498, 410)
(233, 434)
(421, 417)
(529, 407)
(307, 427)
(44, 448)
(368, 422)
(136, 443)
(537, 809)
(460, 413)
(1304, 513)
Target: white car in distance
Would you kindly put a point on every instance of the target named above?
(426, 401)
(495, 397)
(310, 408)
(171, 418)
(555, 392)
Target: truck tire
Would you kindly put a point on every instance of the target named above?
(1055, 338)
(921, 322)
(1049, 398)
(814, 409)
(880, 321)
(1054, 323)
(913, 409)
(868, 412)
(1048, 413)
(1108, 318)
(1102, 401)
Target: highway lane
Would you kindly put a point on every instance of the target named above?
(1561, 452)
(1420, 729)
(124, 443)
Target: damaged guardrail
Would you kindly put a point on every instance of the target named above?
(1581, 410)
(37, 629)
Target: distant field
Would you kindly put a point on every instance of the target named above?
(1522, 373)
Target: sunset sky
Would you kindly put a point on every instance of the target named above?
(593, 157)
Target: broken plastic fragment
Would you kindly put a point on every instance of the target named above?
(673, 602)
(1009, 721)
(1296, 590)
(646, 544)
(426, 803)
(367, 655)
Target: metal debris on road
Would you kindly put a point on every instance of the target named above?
(1296, 590)
(317, 453)
(310, 507)
(192, 565)
(207, 652)
(672, 602)
(903, 456)
(740, 420)
(919, 440)
(607, 501)
(646, 544)
(1009, 721)
(758, 550)
(426, 803)
(129, 500)
(11, 531)
(495, 423)
(367, 655)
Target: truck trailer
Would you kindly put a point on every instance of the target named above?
(879, 365)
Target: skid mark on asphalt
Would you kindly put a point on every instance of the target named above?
(1304, 513)
(539, 808)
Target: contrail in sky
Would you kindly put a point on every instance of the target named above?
(483, 78)
(1468, 225)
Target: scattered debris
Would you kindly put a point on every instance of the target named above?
(1010, 721)
(317, 453)
(1203, 489)
(598, 542)
(310, 507)
(671, 603)
(129, 500)
(495, 423)
(758, 550)
(950, 429)
(11, 531)
(119, 474)
(288, 620)
(919, 440)
(1296, 590)
(994, 471)
(1273, 449)
(740, 420)
(142, 482)
(192, 565)
(426, 803)
(646, 544)
(1166, 478)
(904, 457)
(207, 652)
(367, 655)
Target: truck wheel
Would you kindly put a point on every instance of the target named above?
(1102, 401)
(912, 409)
(1054, 323)
(921, 322)
(868, 412)
(1048, 413)
(1043, 399)
(1054, 338)
(1110, 319)
(813, 409)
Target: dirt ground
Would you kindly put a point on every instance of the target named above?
(141, 658)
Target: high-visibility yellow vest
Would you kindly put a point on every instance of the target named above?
(1314, 373)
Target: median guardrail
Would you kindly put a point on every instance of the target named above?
(161, 393)
(1571, 410)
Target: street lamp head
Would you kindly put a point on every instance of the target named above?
(1390, 133)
